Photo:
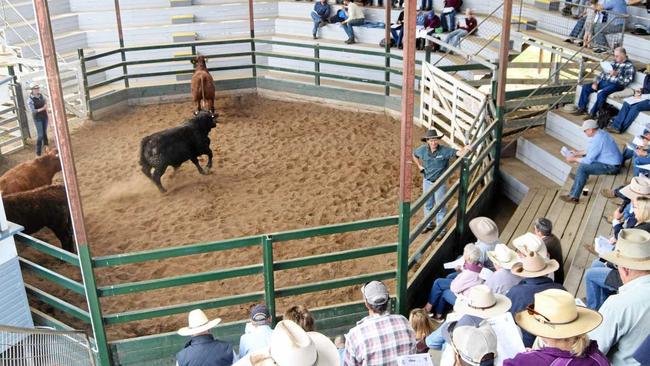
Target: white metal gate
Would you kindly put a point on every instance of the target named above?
(11, 134)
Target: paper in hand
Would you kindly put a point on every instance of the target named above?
(606, 66)
(634, 100)
(452, 265)
(422, 359)
(509, 341)
(602, 245)
(566, 152)
(485, 274)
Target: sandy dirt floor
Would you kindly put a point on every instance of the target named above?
(278, 166)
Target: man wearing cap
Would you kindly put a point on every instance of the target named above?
(602, 157)
(626, 315)
(381, 337)
(258, 335)
(474, 345)
(432, 159)
(38, 107)
(202, 349)
(544, 229)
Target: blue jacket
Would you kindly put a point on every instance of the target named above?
(523, 294)
(323, 10)
(204, 350)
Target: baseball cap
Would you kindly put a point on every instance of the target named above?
(473, 343)
(260, 314)
(589, 124)
(465, 320)
(375, 293)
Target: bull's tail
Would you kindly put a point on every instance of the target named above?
(202, 93)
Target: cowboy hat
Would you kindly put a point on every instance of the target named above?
(484, 229)
(503, 256)
(198, 323)
(555, 315)
(481, 302)
(639, 186)
(632, 250)
(431, 134)
(533, 265)
(570, 108)
(530, 242)
(35, 86)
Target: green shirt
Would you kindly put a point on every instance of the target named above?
(434, 162)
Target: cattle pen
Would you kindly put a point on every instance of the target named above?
(408, 259)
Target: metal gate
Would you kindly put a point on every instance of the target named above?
(13, 128)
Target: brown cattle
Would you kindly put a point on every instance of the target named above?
(202, 85)
(31, 174)
(42, 207)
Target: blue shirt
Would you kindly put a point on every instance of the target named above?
(323, 10)
(618, 7)
(435, 163)
(602, 149)
(258, 338)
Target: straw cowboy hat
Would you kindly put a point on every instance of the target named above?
(482, 302)
(533, 265)
(632, 250)
(639, 186)
(530, 242)
(570, 108)
(431, 134)
(484, 229)
(290, 345)
(555, 315)
(503, 256)
(198, 323)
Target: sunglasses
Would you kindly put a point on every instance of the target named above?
(531, 311)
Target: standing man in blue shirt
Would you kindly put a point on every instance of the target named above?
(602, 157)
(319, 15)
(616, 11)
(38, 107)
(432, 159)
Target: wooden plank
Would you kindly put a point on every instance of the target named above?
(514, 221)
(574, 221)
(529, 216)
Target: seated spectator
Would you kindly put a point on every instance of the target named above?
(543, 229)
(320, 15)
(445, 290)
(529, 242)
(626, 315)
(473, 345)
(628, 113)
(423, 326)
(355, 18)
(455, 36)
(381, 337)
(561, 327)
(259, 333)
(339, 342)
(300, 315)
(621, 76)
(502, 280)
(642, 354)
(398, 30)
(486, 232)
(448, 15)
(290, 346)
(602, 157)
(616, 9)
(202, 348)
(535, 270)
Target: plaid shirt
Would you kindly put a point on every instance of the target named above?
(626, 73)
(379, 340)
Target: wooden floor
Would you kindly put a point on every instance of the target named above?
(575, 224)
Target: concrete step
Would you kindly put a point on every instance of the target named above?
(183, 19)
(178, 3)
(518, 179)
(542, 153)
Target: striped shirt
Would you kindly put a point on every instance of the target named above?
(378, 340)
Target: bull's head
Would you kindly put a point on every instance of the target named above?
(205, 120)
(199, 62)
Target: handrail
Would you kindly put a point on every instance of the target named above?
(55, 277)
(58, 303)
(48, 249)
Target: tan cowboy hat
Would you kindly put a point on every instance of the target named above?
(533, 265)
(570, 108)
(481, 302)
(639, 186)
(632, 250)
(503, 256)
(530, 242)
(198, 323)
(431, 134)
(555, 315)
(290, 345)
(484, 229)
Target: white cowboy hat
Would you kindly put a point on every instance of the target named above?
(198, 323)
(570, 108)
(632, 250)
(290, 345)
(484, 229)
(530, 242)
(533, 265)
(555, 315)
(503, 256)
(639, 186)
(481, 302)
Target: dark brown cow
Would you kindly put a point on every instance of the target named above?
(202, 85)
(31, 174)
(42, 207)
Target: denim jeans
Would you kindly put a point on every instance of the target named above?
(426, 4)
(640, 160)
(317, 19)
(397, 35)
(41, 135)
(599, 38)
(627, 154)
(585, 170)
(597, 291)
(437, 197)
(605, 88)
(628, 114)
(448, 21)
(454, 37)
(578, 28)
(441, 295)
(347, 27)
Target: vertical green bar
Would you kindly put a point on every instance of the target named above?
(253, 58)
(498, 135)
(19, 104)
(317, 64)
(463, 194)
(125, 71)
(269, 279)
(94, 307)
(387, 72)
(403, 257)
(427, 54)
(82, 64)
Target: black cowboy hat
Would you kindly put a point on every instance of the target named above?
(431, 134)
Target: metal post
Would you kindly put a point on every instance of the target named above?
(317, 63)
(388, 4)
(269, 279)
(501, 79)
(406, 150)
(120, 35)
(251, 27)
(70, 177)
(19, 104)
(82, 65)
(463, 193)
